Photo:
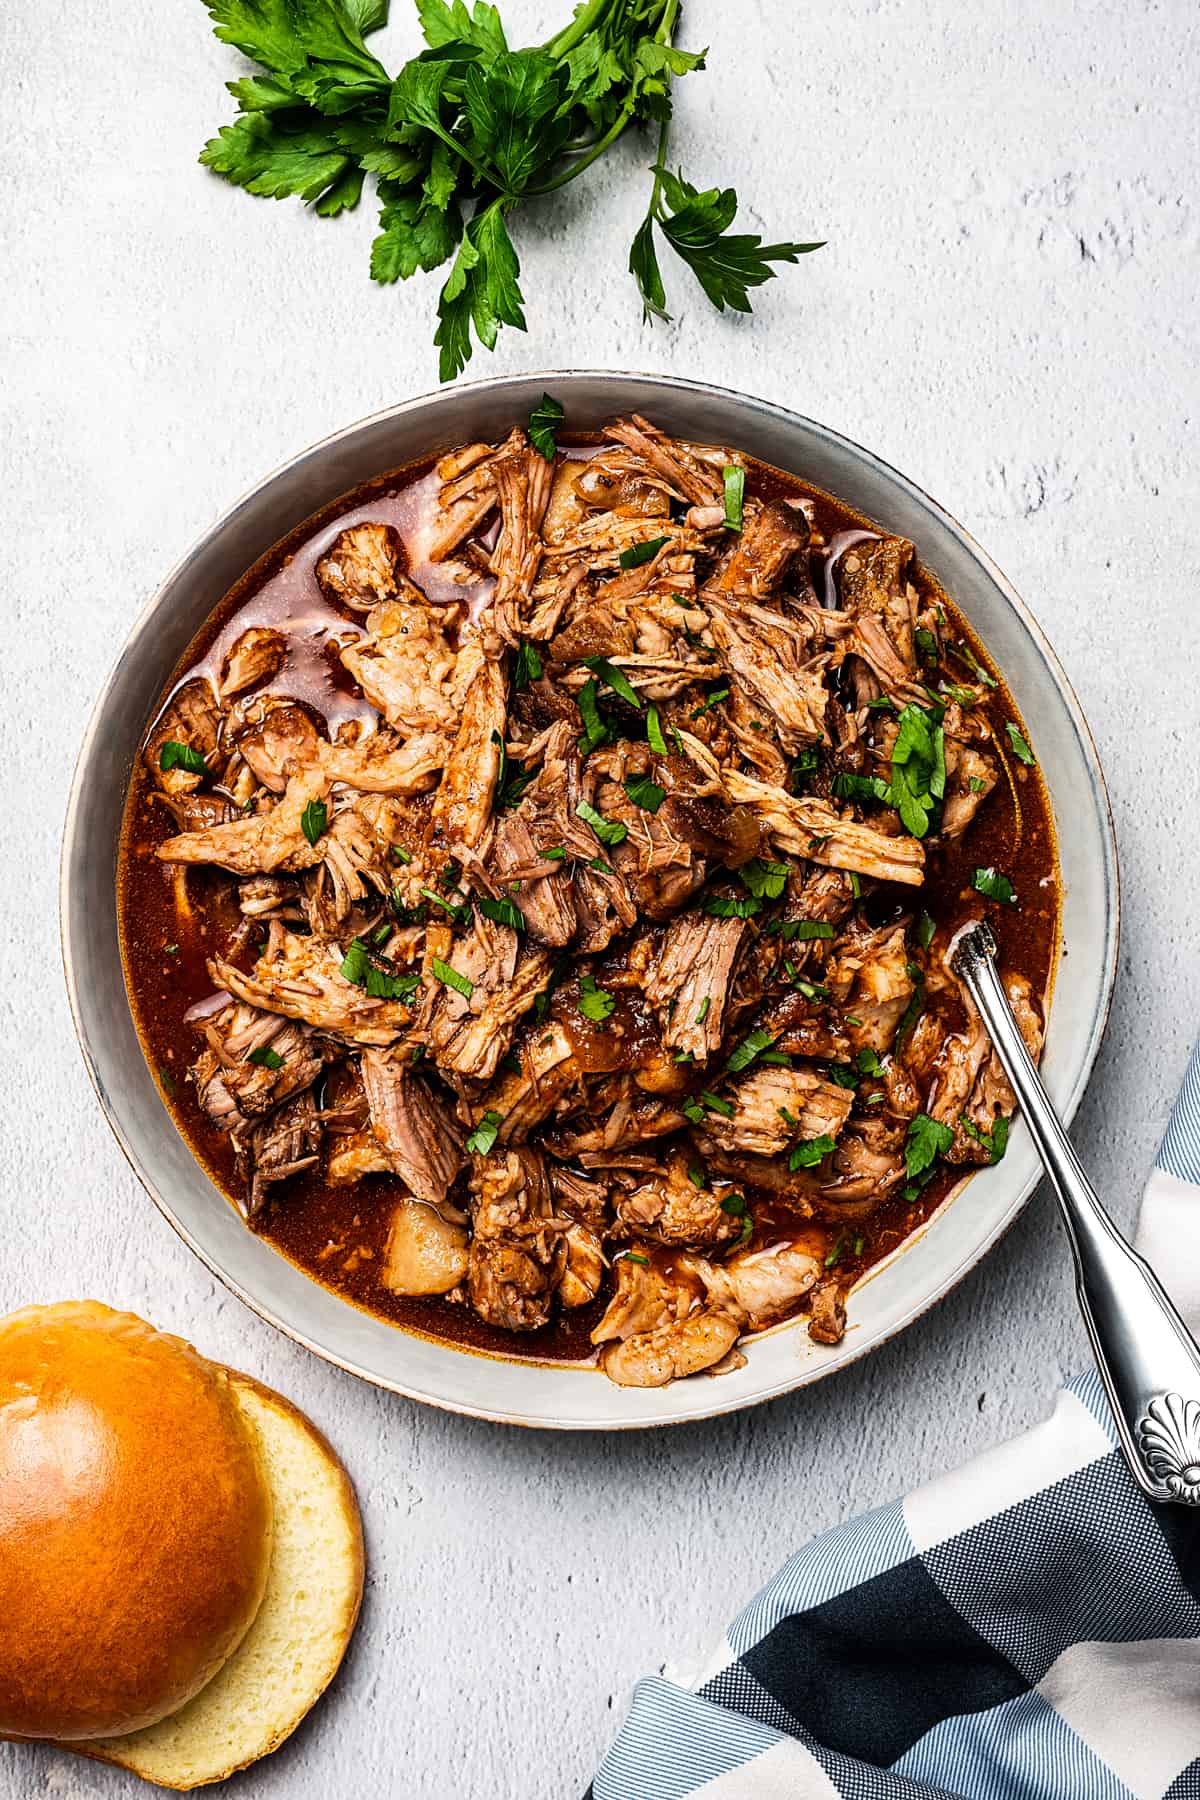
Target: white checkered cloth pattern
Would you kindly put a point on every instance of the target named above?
(1025, 1628)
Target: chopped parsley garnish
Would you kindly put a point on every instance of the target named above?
(812, 990)
(175, 755)
(726, 906)
(765, 880)
(654, 732)
(482, 1139)
(170, 1086)
(927, 1140)
(400, 854)
(913, 1010)
(597, 729)
(834, 1255)
(632, 1256)
(976, 786)
(995, 1141)
(842, 1075)
(855, 885)
(645, 793)
(867, 1063)
(501, 912)
(595, 1003)
(781, 1058)
(711, 700)
(458, 912)
(734, 1205)
(266, 1058)
(744, 1053)
(614, 678)
(555, 853)
(734, 483)
(995, 886)
(452, 978)
(965, 654)
(925, 930)
(609, 831)
(1020, 747)
(918, 767)
(314, 820)
(697, 1175)
(860, 787)
(544, 421)
(366, 969)
(645, 552)
(927, 644)
(528, 666)
(965, 696)
(811, 1152)
(884, 703)
(703, 1012)
(715, 1103)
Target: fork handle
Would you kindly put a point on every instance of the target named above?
(1147, 1358)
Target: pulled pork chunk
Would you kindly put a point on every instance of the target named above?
(969, 1090)
(871, 979)
(468, 1034)
(518, 1253)
(811, 828)
(690, 978)
(264, 843)
(284, 1144)
(301, 978)
(190, 717)
(775, 1107)
(560, 843)
(361, 566)
(673, 1209)
(415, 1127)
(406, 667)
(255, 655)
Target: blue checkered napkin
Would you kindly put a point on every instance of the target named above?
(1025, 1628)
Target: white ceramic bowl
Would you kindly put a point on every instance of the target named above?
(930, 1263)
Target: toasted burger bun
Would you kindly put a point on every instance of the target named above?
(135, 1523)
(156, 1486)
(294, 1647)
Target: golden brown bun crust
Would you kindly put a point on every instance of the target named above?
(135, 1522)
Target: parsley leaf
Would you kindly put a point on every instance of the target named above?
(1020, 747)
(750, 1047)
(609, 831)
(995, 886)
(614, 678)
(811, 1152)
(696, 225)
(175, 755)
(528, 666)
(734, 482)
(654, 732)
(544, 420)
(597, 728)
(266, 1058)
(595, 1003)
(314, 821)
(927, 1140)
(481, 1141)
(724, 906)
(645, 793)
(452, 978)
(995, 1141)
(374, 974)
(645, 552)
(765, 880)
(501, 912)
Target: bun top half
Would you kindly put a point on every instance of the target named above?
(135, 1522)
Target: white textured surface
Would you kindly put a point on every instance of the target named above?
(1006, 311)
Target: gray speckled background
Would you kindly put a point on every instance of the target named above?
(1007, 311)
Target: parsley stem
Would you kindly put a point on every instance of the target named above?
(566, 39)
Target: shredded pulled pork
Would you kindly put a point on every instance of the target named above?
(590, 947)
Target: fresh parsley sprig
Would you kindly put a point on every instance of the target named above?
(468, 131)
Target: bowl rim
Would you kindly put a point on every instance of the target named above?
(804, 1374)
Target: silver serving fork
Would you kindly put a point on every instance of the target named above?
(1147, 1358)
